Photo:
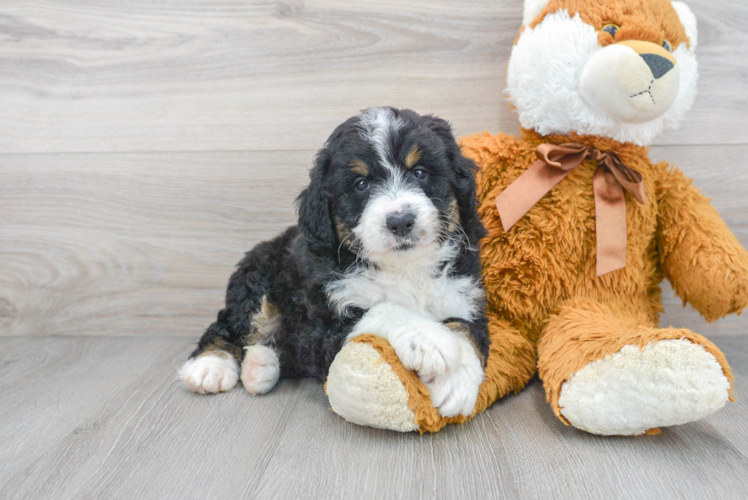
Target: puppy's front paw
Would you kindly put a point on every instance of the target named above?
(422, 344)
(427, 351)
(456, 391)
(210, 374)
(384, 319)
(260, 369)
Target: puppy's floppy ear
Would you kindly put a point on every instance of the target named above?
(315, 218)
(464, 184)
(466, 199)
(463, 167)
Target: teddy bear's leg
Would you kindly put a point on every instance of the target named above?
(368, 385)
(610, 371)
(364, 389)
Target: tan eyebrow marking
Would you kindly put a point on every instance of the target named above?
(359, 167)
(413, 157)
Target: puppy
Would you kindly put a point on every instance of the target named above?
(387, 244)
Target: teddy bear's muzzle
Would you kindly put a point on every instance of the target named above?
(630, 81)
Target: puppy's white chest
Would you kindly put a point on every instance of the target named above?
(436, 296)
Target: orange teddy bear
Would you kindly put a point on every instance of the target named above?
(582, 229)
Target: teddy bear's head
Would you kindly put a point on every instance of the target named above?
(623, 69)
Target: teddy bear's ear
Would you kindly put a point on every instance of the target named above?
(689, 22)
(532, 9)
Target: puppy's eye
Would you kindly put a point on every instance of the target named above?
(666, 45)
(362, 185)
(612, 29)
(420, 174)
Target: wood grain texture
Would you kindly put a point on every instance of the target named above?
(185, 75)
(133, 243)
(105, 418)
(143, 244)
(238, 75)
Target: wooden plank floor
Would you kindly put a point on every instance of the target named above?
(106, 418)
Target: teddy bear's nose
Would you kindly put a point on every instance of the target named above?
(658, 64)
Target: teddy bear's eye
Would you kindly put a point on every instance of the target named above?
(666, 45)
(612, 29)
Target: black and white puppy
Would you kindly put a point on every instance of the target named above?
(387, 244)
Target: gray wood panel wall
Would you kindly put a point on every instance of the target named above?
(144, 146)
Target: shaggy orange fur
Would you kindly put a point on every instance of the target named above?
(645, 20)
(541, 275)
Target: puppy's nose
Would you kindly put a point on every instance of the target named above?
(401, 224)
(658, 64)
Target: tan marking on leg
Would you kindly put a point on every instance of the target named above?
(264, 323)
(457, 326)
(359, 167)
(413, 156)
(221, 348)
(463, 331)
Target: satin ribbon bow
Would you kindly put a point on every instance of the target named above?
(610, 180)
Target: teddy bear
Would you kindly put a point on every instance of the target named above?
(582, 228)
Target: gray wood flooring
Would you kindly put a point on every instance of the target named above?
(144, 146)
(106, 418)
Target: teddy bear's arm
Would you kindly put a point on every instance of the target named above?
(700, 256)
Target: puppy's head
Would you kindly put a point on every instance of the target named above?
(391, 186)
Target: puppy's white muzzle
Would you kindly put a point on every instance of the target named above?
(630, 81)
(397, 222)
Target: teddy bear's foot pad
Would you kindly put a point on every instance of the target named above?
(668, 382)
(364, 390)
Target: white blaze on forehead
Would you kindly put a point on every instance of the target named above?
(394, 195)
(377, 127)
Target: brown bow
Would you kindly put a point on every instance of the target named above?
(611, 178)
